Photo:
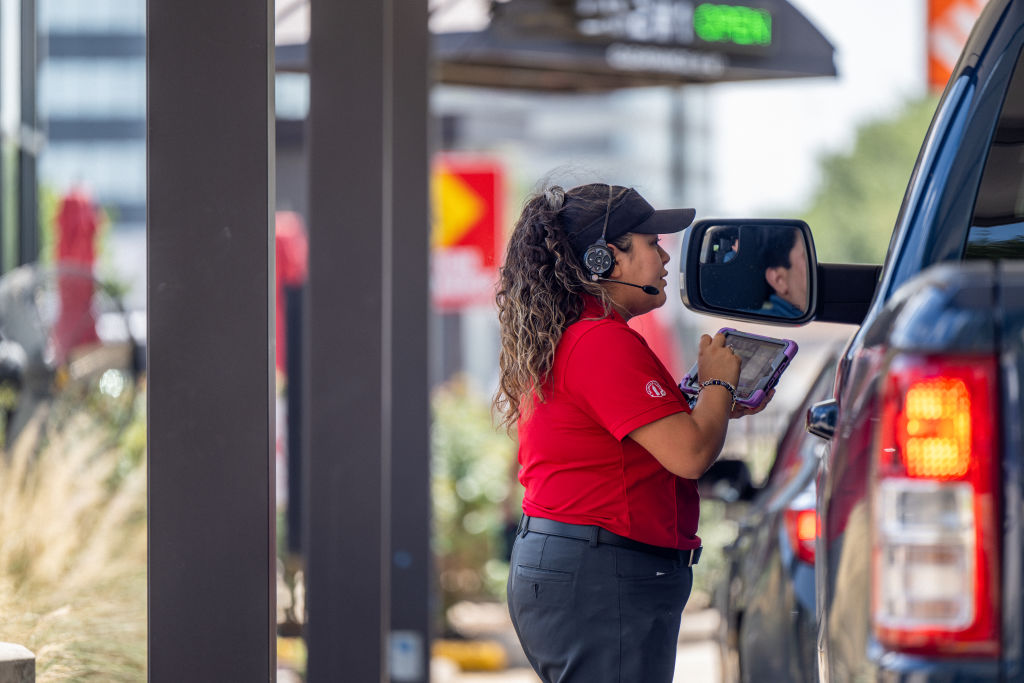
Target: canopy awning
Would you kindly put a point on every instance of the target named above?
(594, 45)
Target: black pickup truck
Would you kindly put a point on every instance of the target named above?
(919, 565)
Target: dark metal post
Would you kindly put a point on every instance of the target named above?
(348, 473)
(211, 321)
(412, 567)
(28, 140)
(368, 593)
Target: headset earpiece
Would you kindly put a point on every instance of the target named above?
(598, 257)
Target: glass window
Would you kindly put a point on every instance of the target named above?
(111, 171)
(997, 229)
(98, 16)
(93, 88)
(10, 90)
(291, 93)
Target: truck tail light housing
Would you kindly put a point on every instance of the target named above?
(936, 556)
(801, 529)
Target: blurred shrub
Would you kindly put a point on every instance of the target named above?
(716, 531)
(475, 495)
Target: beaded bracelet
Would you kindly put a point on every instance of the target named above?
(720, 383)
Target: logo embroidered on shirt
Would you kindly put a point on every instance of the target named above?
(654, 389)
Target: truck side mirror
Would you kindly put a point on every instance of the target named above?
(822, 418)
(763, 270)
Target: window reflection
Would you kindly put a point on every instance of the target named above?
(997, 227)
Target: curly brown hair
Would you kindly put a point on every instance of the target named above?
(539, 294)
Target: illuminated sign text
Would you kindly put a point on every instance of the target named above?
(733, 24)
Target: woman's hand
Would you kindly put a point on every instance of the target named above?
(715, 360)
(742, 411)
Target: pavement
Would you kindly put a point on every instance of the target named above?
(696, 658)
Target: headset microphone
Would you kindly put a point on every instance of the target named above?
(648, 289)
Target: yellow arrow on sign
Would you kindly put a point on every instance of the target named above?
(457, 208)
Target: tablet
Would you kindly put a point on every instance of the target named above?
(763, 361)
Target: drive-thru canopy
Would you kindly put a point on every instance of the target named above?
(593, 45)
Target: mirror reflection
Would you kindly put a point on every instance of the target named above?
(755, 268)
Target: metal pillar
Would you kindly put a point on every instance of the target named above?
(367, 343)
(349, 462)
(210, 340)
(412, 567)
(28, 140)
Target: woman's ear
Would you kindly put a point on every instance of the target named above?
(616, 271)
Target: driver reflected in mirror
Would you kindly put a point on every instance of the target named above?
(755, 269)
(785, 262)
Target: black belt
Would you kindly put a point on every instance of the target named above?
(596, 535)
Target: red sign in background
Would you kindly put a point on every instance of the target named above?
(466, 232)
(949, 24)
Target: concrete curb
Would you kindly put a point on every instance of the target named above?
(17, 664)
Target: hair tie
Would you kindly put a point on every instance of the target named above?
(556, 197)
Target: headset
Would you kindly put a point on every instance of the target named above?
(598, 257)
(600, 261)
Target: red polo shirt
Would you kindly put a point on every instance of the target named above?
(576, 462)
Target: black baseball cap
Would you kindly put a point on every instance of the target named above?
(585, 207)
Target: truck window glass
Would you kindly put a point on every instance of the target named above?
(997, 229)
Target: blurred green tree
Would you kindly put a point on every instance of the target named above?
(854, 209)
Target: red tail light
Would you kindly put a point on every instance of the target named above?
(936, 508)
(801, 528)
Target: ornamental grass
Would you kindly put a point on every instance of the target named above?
(73, 553)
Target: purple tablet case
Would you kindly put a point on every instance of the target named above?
(764, 360)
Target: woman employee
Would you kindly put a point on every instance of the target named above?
(609, 448)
